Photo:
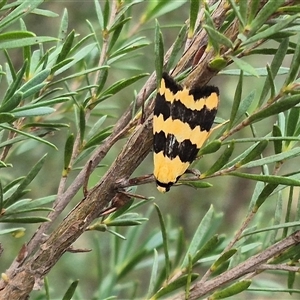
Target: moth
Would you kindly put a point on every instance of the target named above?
(182, 122)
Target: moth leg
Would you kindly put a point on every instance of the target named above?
(119, 200)
(193, 171)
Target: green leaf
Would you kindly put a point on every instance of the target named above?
(292, 124)
(239, 11)
(277, 218)
(63, 28)
(179, 247)
(189, 278)
(177, 46)
(217, 63)
(272, 82)
(28, 205)
(82, 53)
(128, 47)
(218, 36)
(71, 290)
(4, 165)
(244, 66)
(126, 221)
(291, 280)
(277, 143)
(123, 83)
(99, 14)
(274, 68)
(106, 13)
(199, 236)
(154, 274)
(284, 104)
(255, 152)
(1, 197)
(82, 124)
(262, 72)
(30, 85)
(252, 11)
(66, 47)
(221, 161)
(222, 259)
(117, 31)
(12, 103)
(68, 151)
(263, 14)
(25, 220)
(197, 184)
(25, 7)
(273, 158)
(287, 254)
(159, 8)
(174, 285)
(194, 9)
(210, 23)
(41, 104)
(23, 136)
(131, 262)
(276, 227)
(2, 3)
(294, 65)
(272, 51)
(40, 111)
(34, 90)
(101, 80)
(265, 34)
(159, 52)
(263, 196)
(292, 8)
(236, 101)
(30, 41)
(13, 184)
(268, 178)
(16, 232)
(15, 84)
(231, 290)
(14, 35)
(119, 22)
(292, 121)
(96, 127)
(244, 106)
(25, 182)
(289, 211)
(60, 65)
(98, 138)
(79, 74)
(165, 240)
(207, 248)
(211, 147)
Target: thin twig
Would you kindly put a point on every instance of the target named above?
(250, 265)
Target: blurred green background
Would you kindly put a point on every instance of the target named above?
(183, 206)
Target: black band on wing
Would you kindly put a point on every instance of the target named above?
(171, 148)
(165, 185)
(171, 84)
(177, 110)
(203, 92)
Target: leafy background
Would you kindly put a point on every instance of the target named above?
(183, 208)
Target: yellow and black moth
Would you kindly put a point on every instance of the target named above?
(182, 123)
